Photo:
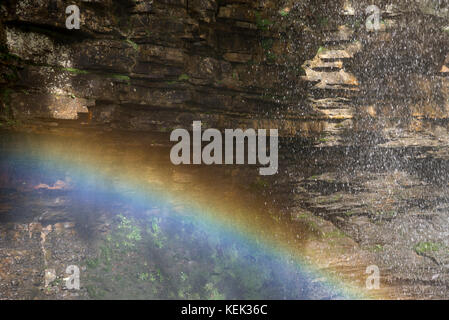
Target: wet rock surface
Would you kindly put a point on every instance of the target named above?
(153, 65)
(394, 209)
(126, 248)
(363, 114)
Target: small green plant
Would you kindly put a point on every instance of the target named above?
(427, 247)
(335, 234)
(271, 57)
(156, 232)
(94, 292)
(129, 233)
(144, 276)
(357, 24)
(4, 55)
(267, 45)
(11, 77)
(183, 77)
(324, 21)
(121, 77)
(159, 275)
(377, 248)
(106, 255)
(284, 12)
(155, 226)
(213, 292)
(92, 263)
(262, 24)
(76, 71)
(337, 197)
(133, 44)
(11, 123)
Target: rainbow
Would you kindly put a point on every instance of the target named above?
(143, 176)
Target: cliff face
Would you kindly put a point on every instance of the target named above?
(374, 104)
(155, 65)
(388, 85)
(309, 68)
